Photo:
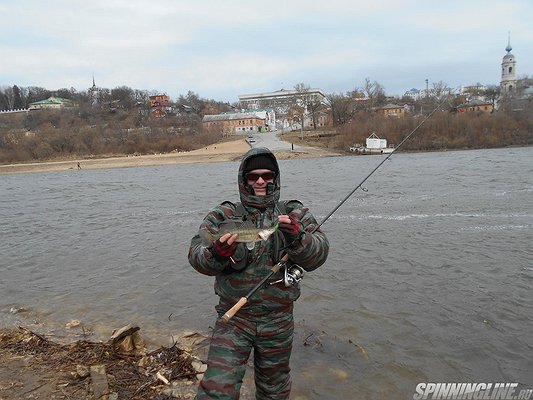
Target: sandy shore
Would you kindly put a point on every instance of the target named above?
(226, 151)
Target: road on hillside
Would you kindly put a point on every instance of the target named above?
(272, 142)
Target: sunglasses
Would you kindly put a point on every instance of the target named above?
(267, 176)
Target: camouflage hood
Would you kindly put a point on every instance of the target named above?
(246, 192)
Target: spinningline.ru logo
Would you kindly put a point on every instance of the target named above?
(475, 391)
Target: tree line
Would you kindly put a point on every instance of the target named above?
(120, 121)
(17, 97)
(104, 122)
(510, 125)
(54, 134)
(443, 131)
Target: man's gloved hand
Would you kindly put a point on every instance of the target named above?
(291, 228)
(224, 247)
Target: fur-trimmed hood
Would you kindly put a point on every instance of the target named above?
(248, 198)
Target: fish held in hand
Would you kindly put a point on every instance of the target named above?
(246, 233)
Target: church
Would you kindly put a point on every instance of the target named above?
(508, 81)
(514, 92)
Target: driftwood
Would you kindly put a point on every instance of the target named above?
(99, 382)
(123, 332)
(99, 369)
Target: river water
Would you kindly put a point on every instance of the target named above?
(429, 276)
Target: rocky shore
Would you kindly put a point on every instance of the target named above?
(32, 366)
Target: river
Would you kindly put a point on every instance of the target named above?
(429, 276)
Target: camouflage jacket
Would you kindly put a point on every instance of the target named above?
(232, 284)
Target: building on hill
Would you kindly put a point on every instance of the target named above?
(323, 118)
(475, 106)
(288, 105)
(515, 93)
(392, 110)
(413, 93)
(231, 123)
(159, 105)
(280, 100)
(160, 100)
(474, 92)
(94, 94)
(53, 103)
(419, 94)
(508, 81)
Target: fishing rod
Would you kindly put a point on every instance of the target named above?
(377, 167)
(282, 263)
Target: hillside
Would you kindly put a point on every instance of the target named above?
(69, 135)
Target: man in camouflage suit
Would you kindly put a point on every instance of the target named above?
(265, 324)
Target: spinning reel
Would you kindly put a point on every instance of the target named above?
(291, 276)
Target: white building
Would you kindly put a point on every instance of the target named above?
(413, 93)
(281, 99)
(508, 82)
(283, 103)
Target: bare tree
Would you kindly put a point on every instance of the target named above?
(3, 99)
(340, 107)
(9, 97)
(310, 102)
(36, 93)
(141, 96)
(65, 93)
(191, 102)
(374, 92)
(358, 100)
(125, 95)
(440, 90)
(492, 93)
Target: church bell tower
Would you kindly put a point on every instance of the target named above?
(508, 82)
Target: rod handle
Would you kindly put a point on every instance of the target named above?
(233, 310)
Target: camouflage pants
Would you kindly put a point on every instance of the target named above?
(230, 349)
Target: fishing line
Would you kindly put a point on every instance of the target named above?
(405, 139)
(283, 262)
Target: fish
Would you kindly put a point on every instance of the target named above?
(247, 233)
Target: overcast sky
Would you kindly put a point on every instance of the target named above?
(221, 49)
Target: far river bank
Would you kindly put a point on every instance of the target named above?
(219, 152)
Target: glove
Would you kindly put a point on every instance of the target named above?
(291, 232)
(222, 251)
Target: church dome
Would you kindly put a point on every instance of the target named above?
(508, 57)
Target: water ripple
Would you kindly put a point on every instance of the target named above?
(429, 271)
